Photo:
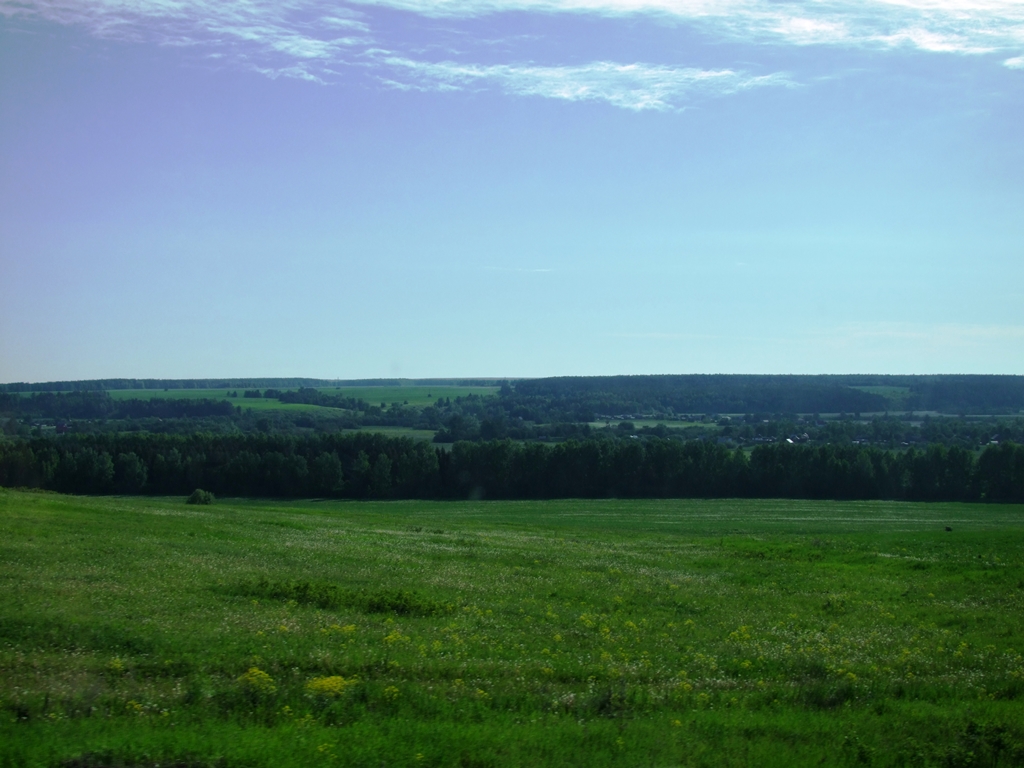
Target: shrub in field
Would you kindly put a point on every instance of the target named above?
(115, 760)
(319, 594)
(257, 682)
(330, 686)
(396, 601)
(199, 496)
(330, 596)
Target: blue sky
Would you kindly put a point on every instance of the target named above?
(428, 188)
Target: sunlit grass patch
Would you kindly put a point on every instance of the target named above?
(571, 633)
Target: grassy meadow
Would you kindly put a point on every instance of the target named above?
(255, 403)
(641, 423)
(418, 396)
(144, 632)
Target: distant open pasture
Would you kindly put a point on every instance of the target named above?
(418, 396)
(641, 423)
(144, 632)
(256, 403)
(173, 394)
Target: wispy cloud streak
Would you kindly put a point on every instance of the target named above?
(630, 86)
(949, 26)
(314, 39)
(297, 39)
(310, 40)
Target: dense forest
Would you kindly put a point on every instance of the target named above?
(100, 405)
(775, 394)
(624, 436)
(507, 414)
(580, 398)
(367, 465)
(103, 385)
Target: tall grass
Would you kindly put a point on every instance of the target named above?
(143, 631)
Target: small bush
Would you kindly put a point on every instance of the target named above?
(395, 601)
(113, 760)
(257, 682)
(321, 595)
(330, 596)
(199, 496)
(330, 686)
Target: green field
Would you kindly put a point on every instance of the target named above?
(418, 396)
(176, 394)
(256, 403)
(641, 423)
(147, 632)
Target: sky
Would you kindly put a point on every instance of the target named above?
(471, 188)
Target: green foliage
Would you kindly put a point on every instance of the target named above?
(365, 465)
(130, 473)
(257, 683)
(774, 394)
(380, 477)
(199, 496)
(330, 596)
(110, 759)
(328, 476)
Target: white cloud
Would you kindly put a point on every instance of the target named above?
(631, 86)
(309, 39)
(292, 39)
(950, 26)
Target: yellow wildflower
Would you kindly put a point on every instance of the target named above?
(334, 685)
(257, 681)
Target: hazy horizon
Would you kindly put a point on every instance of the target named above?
(221, 382)
(440, 188)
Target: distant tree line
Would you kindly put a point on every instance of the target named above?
(311, 396)
(366, 465)
(580, 395)
(100, 405)
(469, 417)
(579, 398)
(96, 385)
(882, 431)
